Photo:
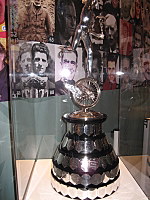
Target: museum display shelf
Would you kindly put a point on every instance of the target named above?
(39, 187)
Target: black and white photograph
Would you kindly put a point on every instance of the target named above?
(34, 70)
(111, 40)
(66, 18)
(68, 68)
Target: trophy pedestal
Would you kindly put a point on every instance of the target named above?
(85, 165)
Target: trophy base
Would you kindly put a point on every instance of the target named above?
(91, 193)
(85, 165)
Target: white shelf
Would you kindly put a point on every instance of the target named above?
(40, 185)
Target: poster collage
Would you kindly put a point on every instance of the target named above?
(41, 29)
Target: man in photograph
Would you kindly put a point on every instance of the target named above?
(68, 62)
(126, 69)
(65, 21)
(43, 70)
(111, 34)
(34, 71)
(110, 82)
(23, 69)
(34, 22)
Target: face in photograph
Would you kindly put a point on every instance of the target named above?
(40, 62)
(70, 20)
(125, 62)
(96, 67)
(111, 29)
(67, 19)
(40, 57)
(2, 11)
(26, 62)
(69, 66)
(111, 70)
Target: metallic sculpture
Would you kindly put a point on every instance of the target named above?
(84, 31)
(85, 165)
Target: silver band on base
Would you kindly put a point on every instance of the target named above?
(92, 193)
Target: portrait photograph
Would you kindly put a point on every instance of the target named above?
(32, 20)
(33, 70)
(67, 16)
(111, 66)
(68, 68)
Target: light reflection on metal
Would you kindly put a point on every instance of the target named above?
(84, 31)
(119, 73)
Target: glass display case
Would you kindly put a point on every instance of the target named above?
(31, 122)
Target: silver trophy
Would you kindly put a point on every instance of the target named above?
(84, 165)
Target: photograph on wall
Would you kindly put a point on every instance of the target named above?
(97, 65)
(140, 73)
(4, 68)
(33, 70)
(32, 20)
(126, 79)
(69, 16)
(126, 46)
(68, 69)
(111, 67)
(111, 40)
(66, 21)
